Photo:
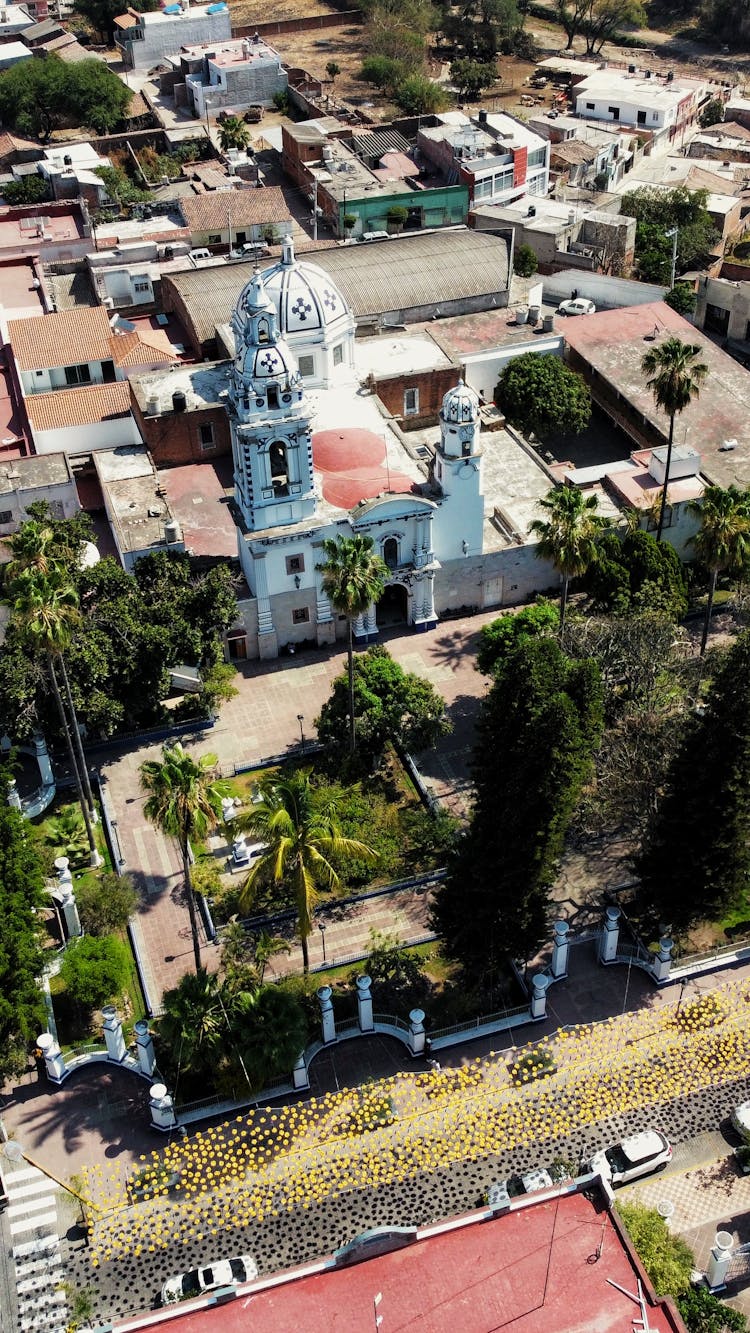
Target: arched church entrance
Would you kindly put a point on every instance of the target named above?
(393, 607)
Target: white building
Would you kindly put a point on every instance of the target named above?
(24, 481)
(231, 76)
(147, 39)
(497, 156)
(661, 107)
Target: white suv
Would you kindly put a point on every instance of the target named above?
(634, 1157)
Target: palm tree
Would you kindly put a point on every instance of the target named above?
(568, 536)
(723, 539)
(183, 801)
(32, 549)
(233, 133)
(45, 612)
(299, 831)
(193, 1027)
(353, 577)
(675, 378)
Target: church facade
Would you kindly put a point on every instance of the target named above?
(314, 459)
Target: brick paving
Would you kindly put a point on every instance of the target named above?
(262, 721)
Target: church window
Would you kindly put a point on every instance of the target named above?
(295, 564)
(273, 397)
(338, 354)
(300, 615)
(306, 366)
(411, 402)
(465, 448)
(279, 474)
(263, 332)
(390, 552)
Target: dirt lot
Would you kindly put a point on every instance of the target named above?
(255, 11)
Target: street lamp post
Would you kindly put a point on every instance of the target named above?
(300, 719)
(672, 235)
(323, 938)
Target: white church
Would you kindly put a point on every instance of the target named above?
(314, 457)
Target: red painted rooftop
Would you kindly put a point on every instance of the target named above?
(535, 1270)
(353, 467)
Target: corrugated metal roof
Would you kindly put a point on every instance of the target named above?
(426, 269)
(379, 142)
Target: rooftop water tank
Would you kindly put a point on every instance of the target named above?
(179, 401)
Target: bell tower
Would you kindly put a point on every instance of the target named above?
(458, 473)
(270, 426)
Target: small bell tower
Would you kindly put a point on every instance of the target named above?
(458, 473)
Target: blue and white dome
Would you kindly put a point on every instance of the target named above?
(460, 404)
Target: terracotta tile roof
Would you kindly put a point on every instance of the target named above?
(126, 21)
(213, 211)
(65, 338)
(130, 349)
(77, 407)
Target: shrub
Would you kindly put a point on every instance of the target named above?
(524, 261)
(419, 96)
(27, 190)
(95, 970)
(499, 638)
(667, 1259)
(383, 72)
(705, 1313)
(106, 903)
(681, 298)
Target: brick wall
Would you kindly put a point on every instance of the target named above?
(432, 385)
(175, 437)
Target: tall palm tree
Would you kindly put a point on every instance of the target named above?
(45, 613)
(568, 536)
(32, 548)
(723, 540)
(299, 831)
(353, 577)
(184, 801)
(193, 1027)
(675, 378)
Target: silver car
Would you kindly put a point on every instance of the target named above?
(224, 1273)
(632, 1158)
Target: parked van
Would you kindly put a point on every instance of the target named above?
(199, 256)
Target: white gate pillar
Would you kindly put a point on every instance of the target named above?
(116, 1048)
(162, 1108)
(364, 1004)
(328, 1021)
(611, 935)
(145, 1047)
(70, 911)
(540, 984)
(560, 948)
(719, 1261)
(300, 1077)
(663, 962)
(417, 1036)
(54, 1061)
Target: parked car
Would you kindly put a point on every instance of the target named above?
(224, 1273)
(199, 256)
(252, 250)
(503, 1191)
(634, 1157)
(741, 1120)
(578, 306)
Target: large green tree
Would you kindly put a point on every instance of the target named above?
(501, 636)
(674, 375)
(95, 970)
(389, 704)
(22, 1012)
(353, 577)
(722, 543)
(44, 94)
(695, 861)
(658, 211)
(184, 801)
(536, 736)
(540, 395)
(299, 831)
(101, 14)
(635, 573)
(567, 536)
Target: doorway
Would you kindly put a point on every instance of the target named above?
(393, 607)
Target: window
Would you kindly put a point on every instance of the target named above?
(295, 564)
(390, 552)
(214, 240)
(263, 331)
(306, 366)
(279, 476)
(654, 115)
(591, 106)
(338, 354)
(503, 181)
(206, 433)
(641, 117)
(39, 373)
(6, 516)
(411, 402)
(273, 397)
(77, 375)
(300, 615)
(537, 157)
(614, 112)
(142, 285)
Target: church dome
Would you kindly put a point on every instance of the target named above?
(267, 361)
(306, 299)
(460, 404)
